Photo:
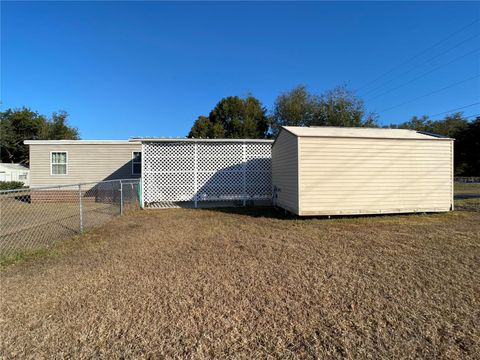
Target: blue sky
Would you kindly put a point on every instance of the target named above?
(125, 69)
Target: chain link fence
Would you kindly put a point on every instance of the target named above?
(33, 218)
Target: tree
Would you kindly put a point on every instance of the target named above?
(201, 128)
(296, 107)
(450, 126)
(467, 150)
(415, 123)
(229, 113)
(57, 128)
(19, 125)
(341, 107)
(465, 133)
(255, 123)
(233, 117)
(336, 107)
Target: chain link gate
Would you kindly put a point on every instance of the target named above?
(195, 173)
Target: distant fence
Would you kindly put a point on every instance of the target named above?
(467, 179)
(37, 217)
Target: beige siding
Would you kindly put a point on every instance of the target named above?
(86, 163)
(356, 175)
(285, 171)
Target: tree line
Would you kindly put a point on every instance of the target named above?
(16, 126)
(236, 117)
(246, 117)
(466, 134)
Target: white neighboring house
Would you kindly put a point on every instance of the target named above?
(14, 172)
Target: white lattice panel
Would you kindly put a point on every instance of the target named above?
(206, 171)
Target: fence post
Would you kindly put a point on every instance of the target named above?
(244, 174)
(195, 175)
(121, 197)
(81, 206)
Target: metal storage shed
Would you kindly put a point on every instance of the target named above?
(340, 171)
(205, 172)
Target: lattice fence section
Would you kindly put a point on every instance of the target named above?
(206, 172)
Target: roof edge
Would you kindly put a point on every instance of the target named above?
(200, 140)
(431, 137)
(77, 142)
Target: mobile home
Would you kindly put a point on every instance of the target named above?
(66, 162)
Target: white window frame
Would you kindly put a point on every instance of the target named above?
(51, 163)
(138, 162)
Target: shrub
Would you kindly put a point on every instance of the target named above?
(10, 185)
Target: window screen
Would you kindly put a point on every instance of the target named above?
(59, 163)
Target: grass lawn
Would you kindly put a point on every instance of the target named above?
(467, 188)
(467, 196)
(185, 283)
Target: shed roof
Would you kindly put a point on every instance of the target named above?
(357, 132)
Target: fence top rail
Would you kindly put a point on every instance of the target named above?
(156, 139)
(123, 181)
(467, 179)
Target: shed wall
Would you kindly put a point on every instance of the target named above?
(365, 176)
(86, 163)
(285, 171)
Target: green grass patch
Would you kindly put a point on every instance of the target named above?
(468, 204)
(47, 251)
(27, 255)
(467, 188)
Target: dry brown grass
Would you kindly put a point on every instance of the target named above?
(185, 283)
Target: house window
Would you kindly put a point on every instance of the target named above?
(136, 163)
(58, 163)
(22, 176)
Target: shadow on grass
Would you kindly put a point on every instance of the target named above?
(254, 211)
(270, 212)
(467, 196)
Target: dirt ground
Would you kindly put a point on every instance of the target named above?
(185, 283)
